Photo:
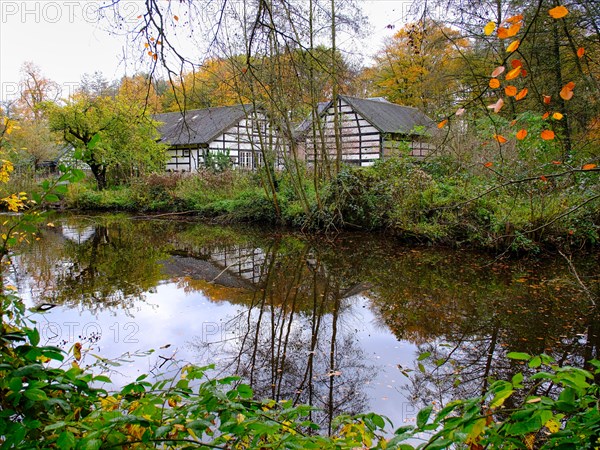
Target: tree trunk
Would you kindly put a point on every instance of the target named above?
(99, 171)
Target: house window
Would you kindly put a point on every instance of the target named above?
(249, 160)
(185, 153)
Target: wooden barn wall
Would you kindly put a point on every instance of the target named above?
(183, 159)
(360, 141)
(247, 141)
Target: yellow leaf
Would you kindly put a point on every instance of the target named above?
(514, 73)
(552, 425)
(547, 135)
(494, 83)
(521, 134)
(489, 28)
(588, 166)
(558, 12)
(514, 45)
(510, 91)
(10, 287)
(77, 351)
(557, 116)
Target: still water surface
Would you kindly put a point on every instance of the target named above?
(335, 322)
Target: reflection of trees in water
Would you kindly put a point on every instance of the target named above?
(292, 343)
(468, 318)
(94, 267)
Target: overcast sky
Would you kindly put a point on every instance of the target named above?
(64, 39)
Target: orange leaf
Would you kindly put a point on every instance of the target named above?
(442, 124)
(502, 33)
(155, 57)
(566, 94)
(547, 135)
(513, 73)
(150, 53)
(580, 52)
(176, 18)
(556, 163)
(558, 12)
(146, 45)
(514, 45)
(494, 83)
(501, 139)
(513, 30)
(515, 19)
(510, 91)
(489, 28)
(516, 63)
(151, 39)
(521, 95)
(547, 99)
(488, 164)
(498, 71)
(521, 134)
(545, 116)
(513, 122)
(588, 166)
(496, 107)
(544, 179)
(557, 116)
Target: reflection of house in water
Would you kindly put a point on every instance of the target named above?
(77, 234)
(233, 267)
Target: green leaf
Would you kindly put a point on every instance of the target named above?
(35, 394)
(66, 440)
(518, 356)
(517, 379)
(34, 336)
(245, 391)
(535, 362)
(423, 356)
(103, 379)
(94, 142)
(500, 397)
(423, 416)
(92, 444)
(55, 426)
(52, 198)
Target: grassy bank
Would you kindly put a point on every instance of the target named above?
(431, 202)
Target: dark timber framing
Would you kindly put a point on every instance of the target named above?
(370, 129)
(241, 132)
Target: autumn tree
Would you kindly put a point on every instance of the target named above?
(112, 135)
(32, 141)
(422, 66)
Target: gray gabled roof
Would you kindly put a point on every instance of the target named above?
(198, 126)
(389, 117)
(385, 116)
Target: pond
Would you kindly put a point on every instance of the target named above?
(335, 322)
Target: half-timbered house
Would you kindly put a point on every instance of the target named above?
(367, 130)
(241, 132)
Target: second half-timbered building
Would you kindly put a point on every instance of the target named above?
(367, 130)
(241, 132)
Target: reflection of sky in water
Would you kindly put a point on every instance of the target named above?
(171, 317)
(193, 296)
